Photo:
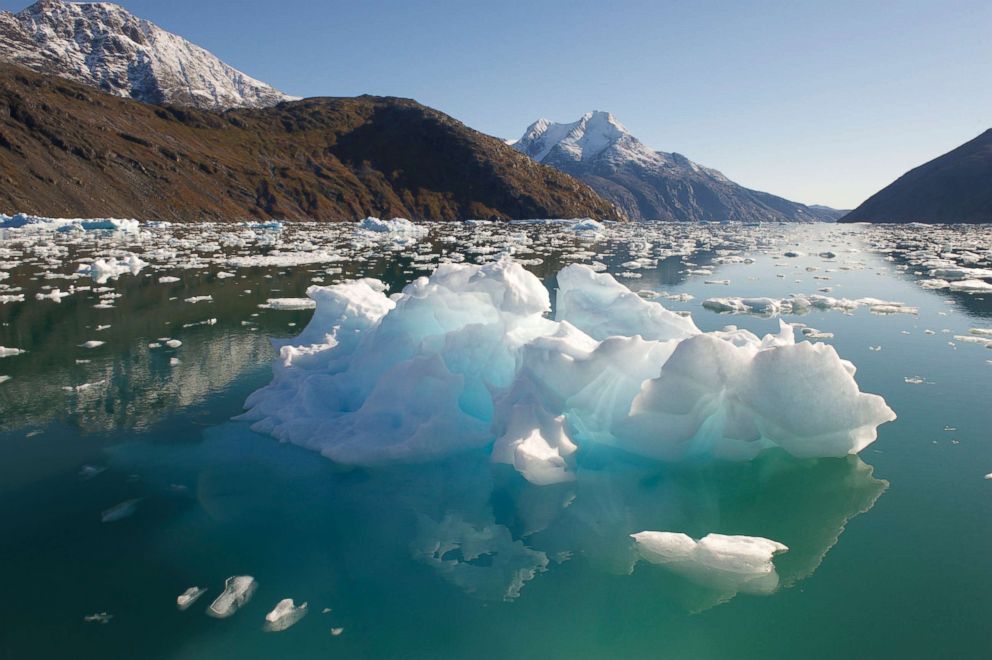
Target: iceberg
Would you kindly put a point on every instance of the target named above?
(238, 590)
(471, 356)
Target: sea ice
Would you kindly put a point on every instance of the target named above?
(468, 356)
(120, 511)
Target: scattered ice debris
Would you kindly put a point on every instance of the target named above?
(466, 357)
(284, 615)
(101, 328)
(238, 590)
(120, 511)
(197, 299)
(83, 387)
(289, 303)
(207, 322)
(188, 597)
(10, 352)
(801, 304)
(875, 348)
(92, 343)
(730, 564)
(972, 339)
(100, 617)
(914, 380)
(23, 223)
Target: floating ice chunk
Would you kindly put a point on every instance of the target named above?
(55, 295)
(726, 563)
(11, 298)
(100, 617)
(289, 303)
(284, 615)
(4, 379)
(914, 380)
(198, 299)
(970, 286)
(120, 511)
(103, 270)
(92, 343)
(10, 352)
(168, 279)
(336, 632)
(238, 590)
(222, 275)
(188, 597)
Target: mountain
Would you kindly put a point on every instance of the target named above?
(103, 45)
(648, 184)
(953, 188)
(68, 150)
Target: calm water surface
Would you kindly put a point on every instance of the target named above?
(889, 551)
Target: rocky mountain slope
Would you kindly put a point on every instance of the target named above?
(953, 188)
(648, 184)
(103, 45)
(68, 150)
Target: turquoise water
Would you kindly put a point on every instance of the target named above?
(888, 551)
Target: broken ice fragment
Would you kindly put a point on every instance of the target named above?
(188, 597)
(284, 615)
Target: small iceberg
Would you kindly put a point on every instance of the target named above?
(120, 511)
(238, 590)
(188, 597)
(726, 563)
(99, 617)
(284, 615)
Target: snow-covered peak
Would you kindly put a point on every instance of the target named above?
(598, 138)
(595, 136)
(103, 45)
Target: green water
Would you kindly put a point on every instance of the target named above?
(888, 552)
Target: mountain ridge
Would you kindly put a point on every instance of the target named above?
(652, 185)
(955, 187)
(68, 150)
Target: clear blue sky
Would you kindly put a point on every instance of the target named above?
(821, 102)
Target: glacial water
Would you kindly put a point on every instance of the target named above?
(458, 557)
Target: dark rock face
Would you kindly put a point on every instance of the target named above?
(68, 150)
(954, 188)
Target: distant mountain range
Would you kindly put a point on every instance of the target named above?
(653, 185)
(953, 188)
(102, 45)
(69, 150)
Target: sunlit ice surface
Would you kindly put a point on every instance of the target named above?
(126, 479)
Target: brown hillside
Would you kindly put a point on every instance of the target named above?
(68, 150)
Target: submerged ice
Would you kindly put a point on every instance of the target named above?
(470, 356)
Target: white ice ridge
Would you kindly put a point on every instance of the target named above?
(469, 357)
(727, 563)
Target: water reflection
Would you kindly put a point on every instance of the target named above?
(485, 531)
